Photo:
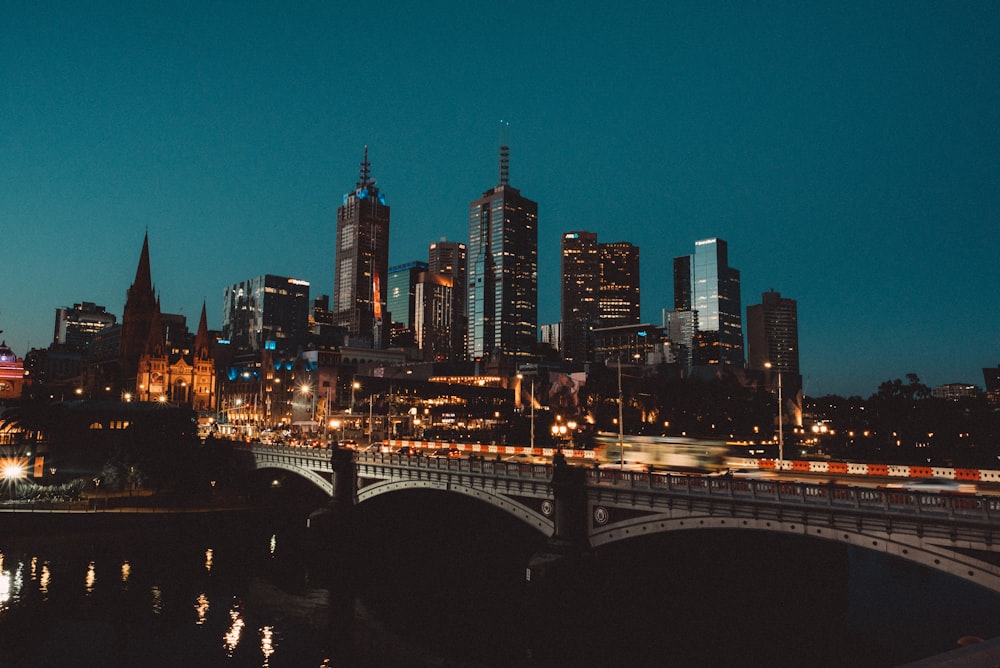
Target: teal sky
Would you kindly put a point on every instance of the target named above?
(849, 153)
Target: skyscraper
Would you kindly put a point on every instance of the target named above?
(581, 286)
(400, 302)
(705, 283)
(618, 299)
(362, 262)
(503, 272)
(450, 259)
(267, 312)
(433, 317)
(600, 288)
(76, 326)
(773, 334)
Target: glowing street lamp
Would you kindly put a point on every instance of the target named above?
(781, 434)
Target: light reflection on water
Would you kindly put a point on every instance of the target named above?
(207, 599)
(232, 636)
(91, 579)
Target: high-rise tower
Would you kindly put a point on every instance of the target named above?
(600, 288)
(705, 283)
(362, 262)
(502, 302)
(581, 285)
(773, 334)
(450, 259)
(618, 300)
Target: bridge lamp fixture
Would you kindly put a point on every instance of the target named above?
(781, 433)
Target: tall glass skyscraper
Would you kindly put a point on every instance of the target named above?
(705, 283)
(362, 262)
(503, 272)
(400, 300)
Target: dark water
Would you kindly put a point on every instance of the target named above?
(439, 581)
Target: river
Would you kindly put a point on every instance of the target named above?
(440, 582)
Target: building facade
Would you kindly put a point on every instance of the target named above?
(618, 299)
(434, 318)
(362, 262)
(401, 302)
(705, 283)
(773, 334)
(76, 327)
(177, 375)
(502, 297)
(266, 312)
(450, 258)
(580, 268)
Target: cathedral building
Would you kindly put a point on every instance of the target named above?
(157, 367)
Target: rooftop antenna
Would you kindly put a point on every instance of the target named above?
(504, 154)
(366, 171)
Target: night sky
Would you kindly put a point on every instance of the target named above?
(849, 153)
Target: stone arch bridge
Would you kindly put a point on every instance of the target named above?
(583, 508)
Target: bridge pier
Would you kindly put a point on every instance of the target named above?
(568, 547)
(333, 528)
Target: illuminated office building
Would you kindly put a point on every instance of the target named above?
(76, 327)
(400, 302)
(450, 258)
(502, 295)
(362, 262)
(773, 334)
(705, 283)
(581, 286)
(600, 288)
(618, 298)
(267, 312)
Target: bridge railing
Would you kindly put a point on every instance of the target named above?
(464, 465)
(982, 508)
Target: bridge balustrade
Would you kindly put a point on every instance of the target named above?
(790, 494)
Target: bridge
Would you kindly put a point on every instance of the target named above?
(585, 507)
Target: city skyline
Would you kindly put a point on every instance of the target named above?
(848, 155)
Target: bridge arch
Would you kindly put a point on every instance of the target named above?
(536, 519)
(935, 552)
(305, 473)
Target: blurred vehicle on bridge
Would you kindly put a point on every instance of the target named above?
(527, 458)
(446, 452)
(937, 484)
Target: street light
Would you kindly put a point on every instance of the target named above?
(781, 434)
(532, 400)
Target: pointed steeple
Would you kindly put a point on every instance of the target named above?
(143, 277)
(201, 351)
(155, 343)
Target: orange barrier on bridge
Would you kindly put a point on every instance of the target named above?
(880, 470)
(485, 449)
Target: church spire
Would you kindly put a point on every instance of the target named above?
(143, 277)
(156, 343)
(201, 350)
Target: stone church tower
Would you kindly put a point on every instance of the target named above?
(140, 307)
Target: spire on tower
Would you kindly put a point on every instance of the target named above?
(366, 171)
(143, 276)
(504, 155)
